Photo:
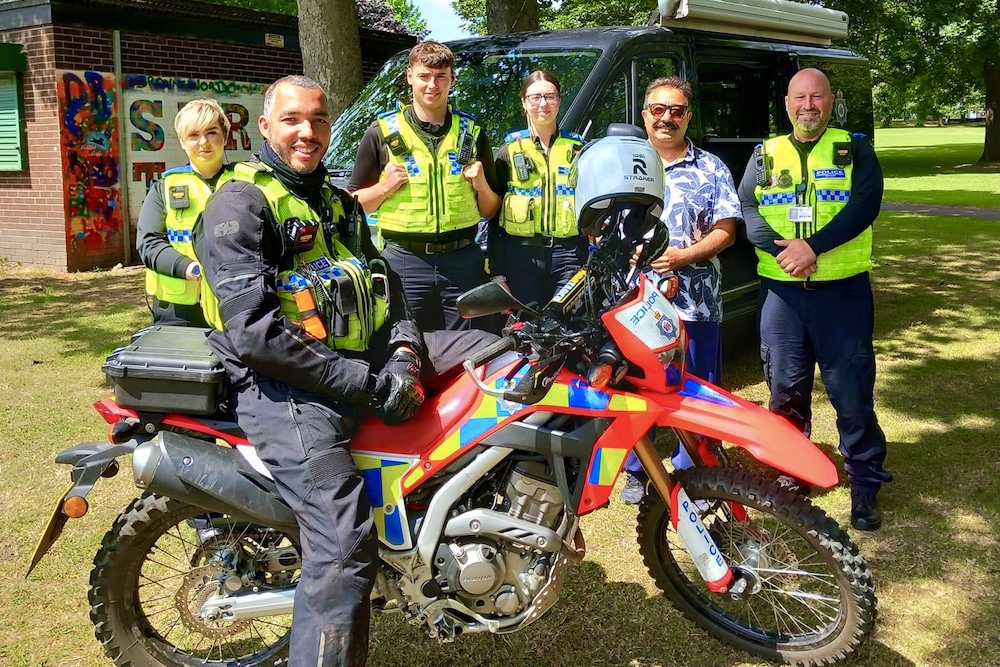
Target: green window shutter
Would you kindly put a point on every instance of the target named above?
(11, 144)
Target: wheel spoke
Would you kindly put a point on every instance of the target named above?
(798, 587)
(176, 576)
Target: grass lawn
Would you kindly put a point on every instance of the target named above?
(937, 165)
(935, 561)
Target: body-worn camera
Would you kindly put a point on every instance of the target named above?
(397, 145)
(301, 234)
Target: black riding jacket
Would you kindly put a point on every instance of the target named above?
(239, 246)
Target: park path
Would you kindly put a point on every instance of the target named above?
(939, 209)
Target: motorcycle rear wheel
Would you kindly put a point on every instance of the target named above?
(153, 571)
(811, 599)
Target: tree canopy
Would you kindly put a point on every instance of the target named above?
(390, 15)
(930, 59)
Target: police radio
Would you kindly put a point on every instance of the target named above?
(522, 166)
(465, 145)
(760, 166)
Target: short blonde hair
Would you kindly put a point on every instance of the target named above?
(200, 114)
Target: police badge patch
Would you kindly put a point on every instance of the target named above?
(840, 108)
(667, 328)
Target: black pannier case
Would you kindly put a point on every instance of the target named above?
(167, 369)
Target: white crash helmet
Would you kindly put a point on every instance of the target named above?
(619, 180)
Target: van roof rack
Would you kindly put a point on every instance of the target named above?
(769, 19)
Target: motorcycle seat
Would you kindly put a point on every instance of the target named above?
(439, 414)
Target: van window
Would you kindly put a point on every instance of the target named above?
(612, 107)
(740, 102)
(645, 71)
(488, 87)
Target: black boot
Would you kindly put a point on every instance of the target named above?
(865, 514)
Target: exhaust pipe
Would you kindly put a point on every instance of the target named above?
(209, 476)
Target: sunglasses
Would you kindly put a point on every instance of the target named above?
(675, 110)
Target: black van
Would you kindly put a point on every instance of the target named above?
(739, 84)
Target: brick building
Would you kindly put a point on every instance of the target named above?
(88, 92)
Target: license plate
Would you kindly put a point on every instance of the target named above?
(53, 529)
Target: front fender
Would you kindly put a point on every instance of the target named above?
(703, 408)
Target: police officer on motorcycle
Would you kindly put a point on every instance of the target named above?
(312, 329)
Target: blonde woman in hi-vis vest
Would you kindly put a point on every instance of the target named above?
(171, 208)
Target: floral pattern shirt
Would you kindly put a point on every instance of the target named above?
(699, 193)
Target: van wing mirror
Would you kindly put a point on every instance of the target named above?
(489, 299)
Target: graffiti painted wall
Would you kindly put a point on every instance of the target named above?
(88, 129)
(150, 105)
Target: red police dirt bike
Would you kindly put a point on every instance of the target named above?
(477, 500)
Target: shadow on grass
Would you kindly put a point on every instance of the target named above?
(596, 622)
(904, 162)
(90, 314)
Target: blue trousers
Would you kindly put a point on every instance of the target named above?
(704, 360)
(831, 325)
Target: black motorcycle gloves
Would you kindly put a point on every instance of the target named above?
(397, 392)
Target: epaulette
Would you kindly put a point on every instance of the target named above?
(386, 114)
(519, 134)
(566, 134)
(859, 135)
(250, 169)
(465, 115)
(185, 169)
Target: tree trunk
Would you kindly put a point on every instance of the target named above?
(991, 75)
(331, 48)
(503, 16)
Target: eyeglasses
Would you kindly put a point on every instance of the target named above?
(676, 110)
(536, 98)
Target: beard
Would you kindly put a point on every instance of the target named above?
(810, 125)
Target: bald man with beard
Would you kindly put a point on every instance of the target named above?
(809, 200)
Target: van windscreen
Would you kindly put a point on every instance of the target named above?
(488, 87)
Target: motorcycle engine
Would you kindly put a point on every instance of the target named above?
(495, 577)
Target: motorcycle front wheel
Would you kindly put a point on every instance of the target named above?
(809, 598)
(162, 561)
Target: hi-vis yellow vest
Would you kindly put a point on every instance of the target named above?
(184, 195)
(351, 301)
(542, 203)
(436, 198)
(827, 191)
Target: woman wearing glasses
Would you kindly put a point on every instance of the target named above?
(538, 248)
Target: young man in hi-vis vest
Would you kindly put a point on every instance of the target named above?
(313, 331)
(426, 171)
(809, 200)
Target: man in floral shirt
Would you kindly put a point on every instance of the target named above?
(701, 209)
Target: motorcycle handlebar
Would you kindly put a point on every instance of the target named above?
(487, 354)
(491, 352)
